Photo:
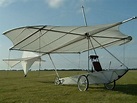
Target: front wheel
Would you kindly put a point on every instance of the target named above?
(57, 81)
(110, 86)
(83, 83)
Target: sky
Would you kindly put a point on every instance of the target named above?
(18, 13)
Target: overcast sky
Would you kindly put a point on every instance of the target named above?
(18, 13)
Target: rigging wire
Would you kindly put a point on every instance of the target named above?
(110, 53)
(79, 66)
(39, 52)
(8, 60)
(8, 69)
(71, 61)
(124, 49)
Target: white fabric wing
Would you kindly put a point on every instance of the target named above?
(65, 39)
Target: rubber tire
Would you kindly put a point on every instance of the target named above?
(83, 82)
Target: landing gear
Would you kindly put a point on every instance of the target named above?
(57, 81)
(83, 83)
(110, 86)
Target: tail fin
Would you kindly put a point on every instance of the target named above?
(28, 63)
(30, 59)
(27, 60)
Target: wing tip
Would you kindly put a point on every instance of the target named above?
(132, 18)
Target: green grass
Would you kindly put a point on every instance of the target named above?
(39, 87)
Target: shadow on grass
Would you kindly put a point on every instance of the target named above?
(49, 82)
(130, 89)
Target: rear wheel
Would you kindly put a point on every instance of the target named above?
(110, 86)
(83, 83)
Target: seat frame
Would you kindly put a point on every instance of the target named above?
(95, 62)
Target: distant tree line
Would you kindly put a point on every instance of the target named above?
(58, 69)
(49, 70)
(63, 70)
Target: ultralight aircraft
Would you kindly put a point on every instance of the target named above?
(48, 40)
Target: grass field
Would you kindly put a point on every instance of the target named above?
(39, 87)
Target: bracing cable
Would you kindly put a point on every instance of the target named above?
(70, 60)
(39, 52)
(110, 53)
(8, 69)
(124, 49)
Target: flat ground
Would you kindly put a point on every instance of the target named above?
(39, 87)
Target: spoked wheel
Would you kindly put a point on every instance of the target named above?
(83, 83)
(110, 86)
(57, 81)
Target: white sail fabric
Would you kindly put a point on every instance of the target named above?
(29, 54)
(12, 62)
(27, 60)
(28, 63)
(65, 39)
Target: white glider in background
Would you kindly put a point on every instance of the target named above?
(27, 60)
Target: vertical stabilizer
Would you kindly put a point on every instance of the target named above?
(28, 63)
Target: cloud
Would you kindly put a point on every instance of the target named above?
(51, 3)
(6, 2)
(55, 3)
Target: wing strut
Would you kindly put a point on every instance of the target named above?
(95, 53)
(88, 50)
(87, 35)
(54, 66)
